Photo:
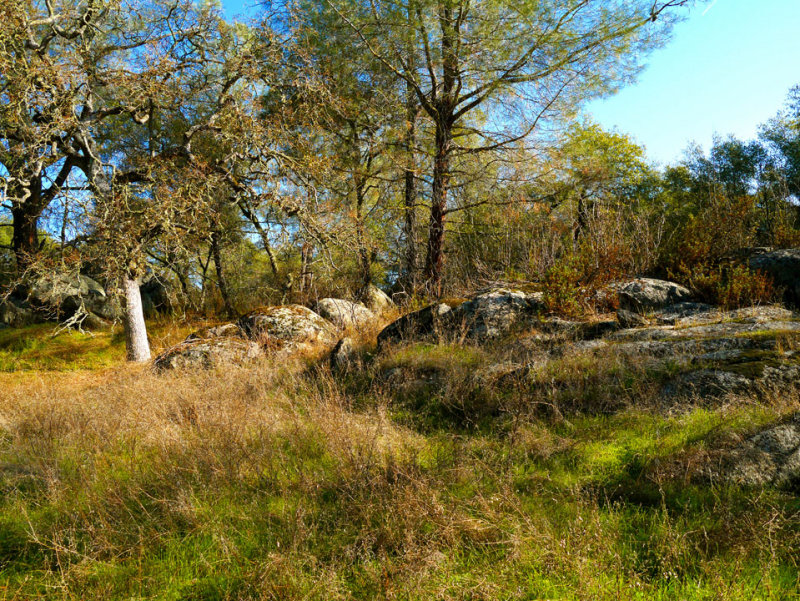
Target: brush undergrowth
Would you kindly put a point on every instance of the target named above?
(289, 483)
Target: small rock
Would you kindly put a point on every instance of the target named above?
(492, 374)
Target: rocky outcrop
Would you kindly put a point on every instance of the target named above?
(643, 294)
(495, 313)
(685, 313)
(156, 296)
(208, 353)
(283, 330)
(344, 313)
(771, 457)
(62, 295)
(783, 266)
(15, 312)
(289, 328)
(226, 330)
(630, 319)
(706, 384)
(418, 325)
(486, 316)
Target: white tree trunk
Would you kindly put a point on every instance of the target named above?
(136, 345)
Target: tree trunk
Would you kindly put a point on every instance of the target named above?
(263, 234)
(410, 196)
(434, 261)
(306, 275)
(25, 218)
(222, 283)
(136, 344)
(364, 259)
(24, 238)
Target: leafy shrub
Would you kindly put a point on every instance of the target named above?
(574, 286)
(728, 286)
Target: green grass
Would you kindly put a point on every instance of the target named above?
(40, 348)
(267, 483)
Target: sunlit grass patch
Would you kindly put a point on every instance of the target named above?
(44, 347)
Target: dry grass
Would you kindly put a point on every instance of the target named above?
(282, 482)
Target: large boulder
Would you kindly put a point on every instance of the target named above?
(62, 295)
(156, 296)
(486, 316)
(289, 328)
(643, 294)
(377, 300)
(208, 353)
(16, 313)
(496, 313)
(344, 313)
(783, 266)
(423, 324)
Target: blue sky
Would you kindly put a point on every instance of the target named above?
(727, 69)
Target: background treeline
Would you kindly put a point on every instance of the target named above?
(429, 146)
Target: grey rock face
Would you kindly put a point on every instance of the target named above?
(344, 313)
(289, 328)
(706, 384)
(716, 330)
(16, 313)
(685, 312)
(377, 301)
(65, 294)
(783, 266)
(209, 353)
(484, 317)
(647, 293)
(630, 319)
(155, 296)
(495, 313)
(422, 324)
(226, 330)
(770, 457)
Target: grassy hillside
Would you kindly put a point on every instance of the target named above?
(283, 482)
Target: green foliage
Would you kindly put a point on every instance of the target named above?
(729, 286)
